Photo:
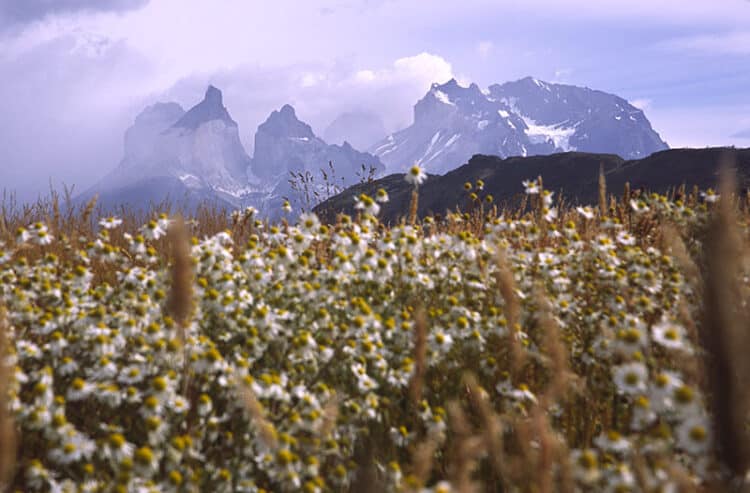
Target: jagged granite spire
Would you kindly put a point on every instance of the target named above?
(284, 144)
(284, 123)
(211, 108)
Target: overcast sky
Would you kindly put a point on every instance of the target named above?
(75, 73)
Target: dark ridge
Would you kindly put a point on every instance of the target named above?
(574, 175)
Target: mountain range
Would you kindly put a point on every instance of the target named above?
(197, 155)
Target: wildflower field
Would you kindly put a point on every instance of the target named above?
(541, 348)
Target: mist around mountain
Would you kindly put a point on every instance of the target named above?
(360, 128)
(196, 155)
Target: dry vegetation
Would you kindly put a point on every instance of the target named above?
(543, 348)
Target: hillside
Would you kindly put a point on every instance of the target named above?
(573, 174)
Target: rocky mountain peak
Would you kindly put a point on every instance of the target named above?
(447, 86)
(284, 123)
(287, 111)
(444, 100)
(211, 108)
(284, 144)
(214, 96)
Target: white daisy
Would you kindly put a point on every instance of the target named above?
(670, 335)
(531, 187)
(630, 378)
(694, 435)
(381, 196)
(587, 212)
(613, 442)
(110, 222)
(416, 175)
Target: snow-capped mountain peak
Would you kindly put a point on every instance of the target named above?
(283, 123)
(525, 117)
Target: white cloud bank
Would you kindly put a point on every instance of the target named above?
(319, 92)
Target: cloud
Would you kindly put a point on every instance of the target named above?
(745, 134)
(424, 67)
(484, 48)
(727, 43)
(26, 11)
(391, 91)
(70, 130)
(319, 92)
(642, 104)
(562, 74)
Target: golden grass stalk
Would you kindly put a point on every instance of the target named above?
(330, 415)
(491, 425)
(180, 302)
(88, 211)
(726, 333)
(602, 191)
(672, 243)
(413, 205)
(538, 201)
(507, 286)
(465, 451)
(419, 355)
(626, 193)
(423, 459)
(266, 430)
(547, 452)
(7, 429)
(556, 351)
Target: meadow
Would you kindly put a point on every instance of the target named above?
(537, 348)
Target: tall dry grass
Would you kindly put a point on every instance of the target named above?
(726, 330)
(8, 439)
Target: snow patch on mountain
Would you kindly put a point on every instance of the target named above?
(191, 181)
(452, 140)
(443, 98)
(557, 134)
